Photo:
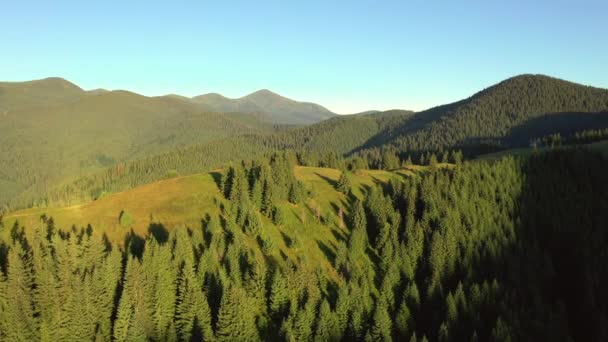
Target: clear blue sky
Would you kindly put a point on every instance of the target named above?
(347, 55)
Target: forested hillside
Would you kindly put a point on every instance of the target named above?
(487, 251)
(318, 145)
(517, 112)
(508, 114)
(51, 131)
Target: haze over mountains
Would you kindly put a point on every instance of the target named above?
(272, 106)
(267, 105)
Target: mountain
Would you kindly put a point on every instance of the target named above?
(274, 107)
(508, 114)
(45, 92)
(52, 131)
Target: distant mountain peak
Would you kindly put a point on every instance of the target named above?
(54, 82)
(209, 96)
(274, 107)
(264, 92)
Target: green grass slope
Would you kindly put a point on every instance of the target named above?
(187, 200)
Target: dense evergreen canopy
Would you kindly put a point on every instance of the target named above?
(509, 249)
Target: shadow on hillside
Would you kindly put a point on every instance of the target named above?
(3, 256)
(217, 178)
(564, 224)
(329, 253)
(159, 232)
(134, 244)
(410, 124)
(330, 181)
(566, 124)
(205, 227)
(286, 239)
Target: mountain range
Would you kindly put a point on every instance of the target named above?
(271, 107)
(53, 133)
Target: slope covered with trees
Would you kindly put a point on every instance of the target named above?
(51, 131)
(514, 113)
(487, 251)
(508, 114)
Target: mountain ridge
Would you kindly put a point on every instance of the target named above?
(276, 107)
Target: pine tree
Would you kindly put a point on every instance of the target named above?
(445, 157)
(268, 200)
(279, 296)
(132, 314)
(344, 183)
(403, 320)
(236, 318)
(327, 329)
(296, 192)
(357, 242)
(381, 329)
(451, 308)
(278, 217)
(457, 157)
(192, 313)
(433, 162)
(443, 335)
(256, 193)
(18, 320)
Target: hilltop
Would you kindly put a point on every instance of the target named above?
(53, 131)
(271, 106)
(508, 114)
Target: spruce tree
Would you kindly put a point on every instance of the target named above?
(381, 329)
(236, 318)
(344, 183)
(403, 320)
(357, 242)
(18, 319)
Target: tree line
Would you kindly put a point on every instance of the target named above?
(506, 250)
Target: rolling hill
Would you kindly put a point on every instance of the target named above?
(508, 114)
(52, 131)
(39, 93)
(185, 200)
(268, 105)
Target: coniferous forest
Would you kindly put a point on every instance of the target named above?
(303, 171)
(509, 249)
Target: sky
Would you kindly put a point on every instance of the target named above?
(349, 56)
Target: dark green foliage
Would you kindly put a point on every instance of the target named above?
(344, 183)
(296, 193)
(357, 242)
(236, 318)
(510, 113)
(487, 251)
(278, 217)
(381, 329)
